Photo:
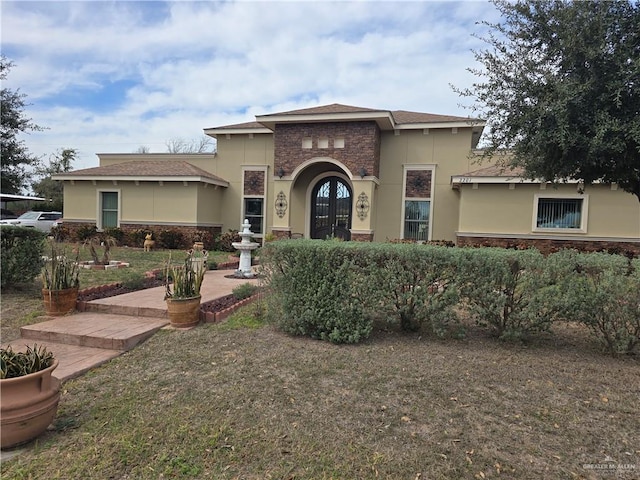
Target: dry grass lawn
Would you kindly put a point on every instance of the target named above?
(227, 402)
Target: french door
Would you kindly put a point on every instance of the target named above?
(331, 209)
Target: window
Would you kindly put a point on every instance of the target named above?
(254, 212)
(108, 210)
(416, 206)
(416, 219)
(560, 213)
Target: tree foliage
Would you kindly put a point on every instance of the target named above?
(14, 155)
(560, 87)
(59, 162)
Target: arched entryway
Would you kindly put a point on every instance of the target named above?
(331, 199)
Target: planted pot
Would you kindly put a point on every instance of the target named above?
(60, 302)
(28, 405)
(184, 312)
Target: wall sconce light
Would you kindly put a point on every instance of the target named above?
(362, 172)
(280, 172)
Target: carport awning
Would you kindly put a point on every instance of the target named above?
(7, 197)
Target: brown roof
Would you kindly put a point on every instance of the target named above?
(495, 171)
(323, 109)
(403, 116)
(241, 125)
(146, 168)
(400, 117)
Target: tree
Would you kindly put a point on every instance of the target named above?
(179, 145)
(14, 155)
(560, 88)
(52, 190)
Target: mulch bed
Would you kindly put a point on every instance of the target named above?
(212, 306)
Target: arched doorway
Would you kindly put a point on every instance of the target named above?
(331, 209)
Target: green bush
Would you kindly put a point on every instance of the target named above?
(602, 291)
(412, 284)
(134, 281)
(244, 291)
(206, 238)
(21, 254)
(84, 232)
(224, 241)
(172, 239)
(114, 232)
(316, 290)
(135, 238)
(507, 290)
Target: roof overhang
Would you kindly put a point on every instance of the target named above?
(141, 178)
(457, 180)
(383, 119)
(214, 132)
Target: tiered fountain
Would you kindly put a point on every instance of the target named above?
(245, 247)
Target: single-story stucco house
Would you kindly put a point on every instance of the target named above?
(350, 172)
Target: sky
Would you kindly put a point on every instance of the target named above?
(111, 77)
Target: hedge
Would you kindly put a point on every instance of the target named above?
(335, 290)
(21, 254)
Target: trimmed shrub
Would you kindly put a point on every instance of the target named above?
(172, 239)
(135, 238)
(206, 238)
(507, 290)
(315, 290)
(114, 232)
(85, 232)
(413, 285)
(244, 291)
(602, 291)
(20, 254)
(224, 241)
(61, 233)
(134, 281)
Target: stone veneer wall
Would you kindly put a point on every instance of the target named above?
(362, 237)
(547, 246)
(361, 145)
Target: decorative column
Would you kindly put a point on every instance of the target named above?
(281, 207)
(362, 214)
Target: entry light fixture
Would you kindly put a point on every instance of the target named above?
(362, 172)
(280, 172)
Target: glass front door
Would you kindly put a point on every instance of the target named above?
(331, 209)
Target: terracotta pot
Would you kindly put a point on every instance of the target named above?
(28, 405)
(183, 312)
(60, 302)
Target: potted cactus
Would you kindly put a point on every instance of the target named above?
(60, 278)
(183, 300)
(29, 394)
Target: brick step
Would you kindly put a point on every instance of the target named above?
(128, 310)
(96, 330)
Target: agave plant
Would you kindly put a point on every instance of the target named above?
(18, 364)
(60, 271)
(187, 278)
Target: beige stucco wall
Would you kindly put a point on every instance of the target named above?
(148, 202)
(496, 209)
(449, 153)
(80, 201)
(233, 154)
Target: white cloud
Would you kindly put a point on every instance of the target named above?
(186, 66)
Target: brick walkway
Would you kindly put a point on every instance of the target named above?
(112, 326)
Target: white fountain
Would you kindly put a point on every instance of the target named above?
(245, 247)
